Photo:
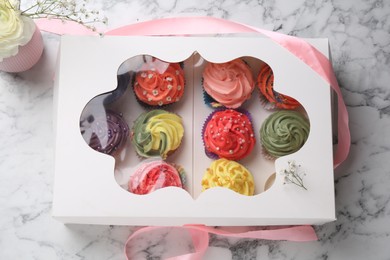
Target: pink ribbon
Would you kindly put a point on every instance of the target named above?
(209, 25)
(62, 27)
(200, 237)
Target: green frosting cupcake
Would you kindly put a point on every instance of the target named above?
(157, 133)
(284, 132)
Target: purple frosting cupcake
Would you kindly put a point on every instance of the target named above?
(106, 133)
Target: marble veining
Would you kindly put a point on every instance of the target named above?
(360, 43)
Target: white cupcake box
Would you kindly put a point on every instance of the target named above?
(90, 187)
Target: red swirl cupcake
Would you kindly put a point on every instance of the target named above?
(159, 83)
(269, 97)
(154, 175)
(228, 134)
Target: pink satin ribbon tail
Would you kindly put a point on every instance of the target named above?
(200, 237)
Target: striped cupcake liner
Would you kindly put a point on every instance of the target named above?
(28, 55)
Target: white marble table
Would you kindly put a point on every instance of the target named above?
(360, 45)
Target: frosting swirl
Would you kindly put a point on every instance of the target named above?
(159, 83)
(265, 81)
(15, 30)
(152, 176)
(229, 83)
(157, 133)
(228, 134)
(105, 133)
(284, 132)
(229, 174)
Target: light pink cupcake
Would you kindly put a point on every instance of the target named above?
(228, 84)
(154, 175)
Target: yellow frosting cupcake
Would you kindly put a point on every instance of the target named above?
(157, 133)
(229, 174)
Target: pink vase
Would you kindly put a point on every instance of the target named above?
(27, 56)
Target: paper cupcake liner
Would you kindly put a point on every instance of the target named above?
(266, 104)
(209, 100)
(266, 155)
(182, 174)
(28, 55)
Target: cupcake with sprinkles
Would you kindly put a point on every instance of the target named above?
(229, 174)
(157, 133)
(106, 133)
(269, 98)
(283, 132)
(227, 84)
(159, 83)
(154, 175)
(228, 134)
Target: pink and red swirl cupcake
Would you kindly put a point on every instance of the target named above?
(154, 175)
(159, 83)
(106, 133)
(230, 84)
(269, 97)
(228, 134)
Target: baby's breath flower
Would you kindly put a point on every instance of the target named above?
(293, 175)
(64, 10)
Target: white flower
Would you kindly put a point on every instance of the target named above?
(293, 175)
(15, 30)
